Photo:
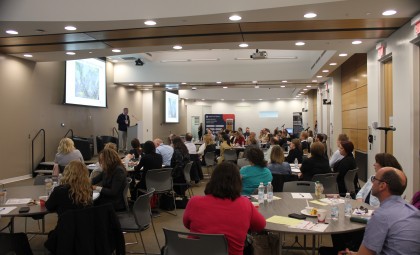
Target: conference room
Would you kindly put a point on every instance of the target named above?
(348, 67)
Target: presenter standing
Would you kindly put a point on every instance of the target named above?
(123, 121)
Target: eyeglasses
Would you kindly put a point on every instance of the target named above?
(373, 178)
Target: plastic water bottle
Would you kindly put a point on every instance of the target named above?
(334, 209)
(55, 184)
(261, 193)
(347, 205)
(59, 178)
(296, 163)
(269, 192)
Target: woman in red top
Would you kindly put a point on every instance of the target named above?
(223, 210)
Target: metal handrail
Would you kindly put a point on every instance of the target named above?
(33, 141)
(114, 130)
(69, 131)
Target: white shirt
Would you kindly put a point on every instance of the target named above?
(364, 191)
(335, 158)
(191, 148)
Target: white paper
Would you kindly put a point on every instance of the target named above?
(302, 195)
(358, 212)
(6, 210)
(329, 201)
(18, 201)
(295, 170)
(265, 197)
(312, 226)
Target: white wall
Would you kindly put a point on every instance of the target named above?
(247, 113)
(405, 57)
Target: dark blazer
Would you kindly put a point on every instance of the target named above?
(294, 153)
(314, 165)
(112, 188)
(148, 162)
(342, 167)
(60, 201)
(121, 122)
(178, 163)
(90, 231)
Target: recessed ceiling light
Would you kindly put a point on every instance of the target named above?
(218, 82)
(243, 99)
(194, 88)
(257, 87)
(333, 64)
(157, 83)
(284, 81)
(278, 98)
(325, 71)
(150, 22)
(243, 45)
(222, 99)
(343, 55)
(202, 99)
(146, 89)
(297, 96)
(260, 99)
(70, 53)
(319, 76)
(131, 84)
(301, 92)
(183, 83)
(305, 89)
(310, 15)
(186, 98)
(299, 43)
(308, 86)
(115, 61)
(177, 47)
(314, 81)
(27, 55)
(282, 86)
(235, 17)
(389, 12)
(90, 52)
(116, 50)
(356, 42)
(254, 82)
(170, 88)
(70, 28)
(12, 32)
(225, 87)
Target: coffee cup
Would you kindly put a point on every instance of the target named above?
(42, 200)
(309, 209)
(321, 214)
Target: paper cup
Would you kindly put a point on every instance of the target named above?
(308, 209)
(42, 200)
(321, 214)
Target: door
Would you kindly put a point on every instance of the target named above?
(195, 122)
(388, 104)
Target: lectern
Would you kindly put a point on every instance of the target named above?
(135, 131)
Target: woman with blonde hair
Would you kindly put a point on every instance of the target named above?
(277, 164)
(111, 181)
(66, 152)
(208, 146)
(74, 192)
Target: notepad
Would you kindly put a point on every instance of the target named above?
(313, 226)
(265, 197)
(283, 220)
(18, 201)
(318, 202)
(6, 209)
(302, 195)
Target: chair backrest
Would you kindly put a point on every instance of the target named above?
(184, 243)
(279, 180)
(230, 155)
(40, 179)
(349, 180)
(142, 210)
(209, 158)
(95, 173)
(299, 186)
(125, 193)
(159, 179)
(242, 162)
(187, 170)
(329, 181)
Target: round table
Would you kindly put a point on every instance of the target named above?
(287, 205)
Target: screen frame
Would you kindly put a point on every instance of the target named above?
(105, 85)
(171, 94)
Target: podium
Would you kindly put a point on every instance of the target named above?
(135, 131)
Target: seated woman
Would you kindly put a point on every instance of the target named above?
(136, 150)
(75, 192)
(256, 172)
(207, 146)
(277, 164)
(381, 160)
(66, 152)
(149, 160)
(295, 151)
(240, 139)
(316, 164)
(304, 142)
(223, 210)
(180, 158)
(223, 146)
(344, 165)
(111, 181)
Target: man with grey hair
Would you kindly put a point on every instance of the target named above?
(165, 150)
(123, 121)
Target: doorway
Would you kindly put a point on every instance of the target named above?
(388, 104)
(195, 122)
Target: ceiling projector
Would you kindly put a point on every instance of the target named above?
(259, 55)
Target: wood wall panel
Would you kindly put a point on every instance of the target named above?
(348, 84)
(362, 142)
(361, 97)
(350, 119)
(362, 75)
(362, 118)
(349, 101)
(352, 134)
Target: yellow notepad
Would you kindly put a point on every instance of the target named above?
(318, 202)
(283, 220)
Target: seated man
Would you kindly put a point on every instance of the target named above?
(192, 149)
(394, 227)
(165, 150)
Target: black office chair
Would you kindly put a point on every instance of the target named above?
(329, 181)
(280, 179)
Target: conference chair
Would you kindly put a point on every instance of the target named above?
(350, 182)
(279, 180)
(230, 155)
(139, 219)
(39, 180)
(242, 162)
(299, 186)
(185, 243)
(329, 181)
(125, 193)
(209, 158)
(187, 177)
(14, 243)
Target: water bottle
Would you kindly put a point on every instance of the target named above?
(269, 192)
(334, 209)
(347, 205)
(261, 193)
(55, 184)
(296, 163)
(59, 178)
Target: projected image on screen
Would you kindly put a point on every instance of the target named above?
(86, 82)
(171, 107)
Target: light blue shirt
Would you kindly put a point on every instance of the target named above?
(252, 176)
(394, 228)
(166, 151)
(364, 191)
